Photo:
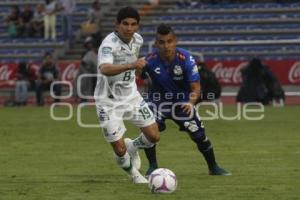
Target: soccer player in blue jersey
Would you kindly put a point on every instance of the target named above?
(175, 86)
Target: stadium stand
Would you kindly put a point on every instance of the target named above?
(221, 31)
(196, 22)
(59, 46)
(234, 22)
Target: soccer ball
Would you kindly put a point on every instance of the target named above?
(162, 180)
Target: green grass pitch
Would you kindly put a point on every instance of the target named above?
(43, 159)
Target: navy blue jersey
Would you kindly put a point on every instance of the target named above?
(171, 81)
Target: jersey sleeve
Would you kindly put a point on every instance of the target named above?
(149, 59)
(192, 69)
(105, 54)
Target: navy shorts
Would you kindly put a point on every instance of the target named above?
(191, 124)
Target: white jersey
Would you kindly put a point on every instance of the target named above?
(119, 88)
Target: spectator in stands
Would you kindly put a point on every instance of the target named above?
(210, 86)
(37, 23)
(50, 19)
(67, 7)
(12, 21)
(92, 27)
(21, 84)
(88, 67)
(48, 73)
(259, 84)
(25, 21)
(94, 14)
(149, 7)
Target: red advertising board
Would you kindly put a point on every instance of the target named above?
(68, 69)
(7, 74)
(228, 72)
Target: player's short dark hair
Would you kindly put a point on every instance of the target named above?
(128, 12)
(164, 29)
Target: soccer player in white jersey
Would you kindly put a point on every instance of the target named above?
(117, 97)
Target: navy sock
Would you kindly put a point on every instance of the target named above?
(151, 156)
(205, 147)
(210, 158)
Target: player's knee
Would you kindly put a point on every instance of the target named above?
(151, 134)
(155, 138)
(119, 149)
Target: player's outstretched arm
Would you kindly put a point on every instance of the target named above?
(193, 97)
(114, 69)
(195, 92)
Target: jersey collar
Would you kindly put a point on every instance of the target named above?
(168, 64)
(129, 45)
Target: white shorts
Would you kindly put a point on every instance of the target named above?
(112, 118)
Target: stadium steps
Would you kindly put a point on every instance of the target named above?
(75, 52)
(57, 46)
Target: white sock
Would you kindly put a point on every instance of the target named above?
(141, 142)
(124, 162)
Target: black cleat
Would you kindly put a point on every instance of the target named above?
(218, 171)
(150, 170)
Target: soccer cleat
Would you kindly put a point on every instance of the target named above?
(134, 155)
(219, 171)
(138, 179)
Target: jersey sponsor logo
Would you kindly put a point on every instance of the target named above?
(5, 73)
(195, 70)
(70, 72)
(157, 70)
(178, 78)
(294, 73)
(120, 57)
(229, 74)
(191, 126)
(103, 116)
(192, 59)
(106, 51)
(177, 70)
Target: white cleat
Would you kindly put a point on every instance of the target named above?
(139, 179)
(134, 155)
